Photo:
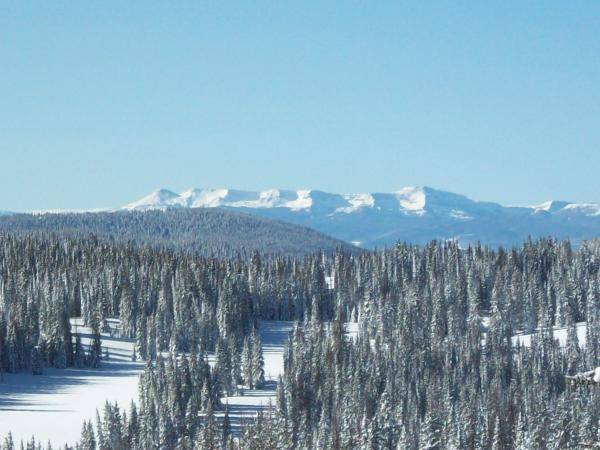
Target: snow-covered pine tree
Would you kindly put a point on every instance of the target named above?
(258, 363)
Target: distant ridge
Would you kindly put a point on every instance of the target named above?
(211, 232)
(411, 214)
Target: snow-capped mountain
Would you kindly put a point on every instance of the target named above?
(412, 214)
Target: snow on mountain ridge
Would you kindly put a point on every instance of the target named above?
(160, 198)
(409, 200)
(412, 198)
(356, 202)
(551, 206)
(411, 214)
(213, 198)
(554, 206)
(588, 209)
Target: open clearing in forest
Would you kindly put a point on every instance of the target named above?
(273, 335)
(53, 405)
(559, 333)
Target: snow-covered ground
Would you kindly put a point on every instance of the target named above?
(351, 329)
(53, 405)
(274, 335)
(560, 333)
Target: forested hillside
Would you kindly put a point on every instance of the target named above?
(211, 232)
(433, 364)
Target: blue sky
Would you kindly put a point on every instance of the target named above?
(101, 102)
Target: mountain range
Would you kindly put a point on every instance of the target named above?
(412, 214)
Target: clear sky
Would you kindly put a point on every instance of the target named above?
(102, 102)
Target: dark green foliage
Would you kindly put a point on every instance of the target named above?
(206, 231)
(36, 361)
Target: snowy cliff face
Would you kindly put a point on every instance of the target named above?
(412, 214)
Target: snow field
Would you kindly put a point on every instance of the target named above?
(560, 333)
(53, 405)
(273, 335)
